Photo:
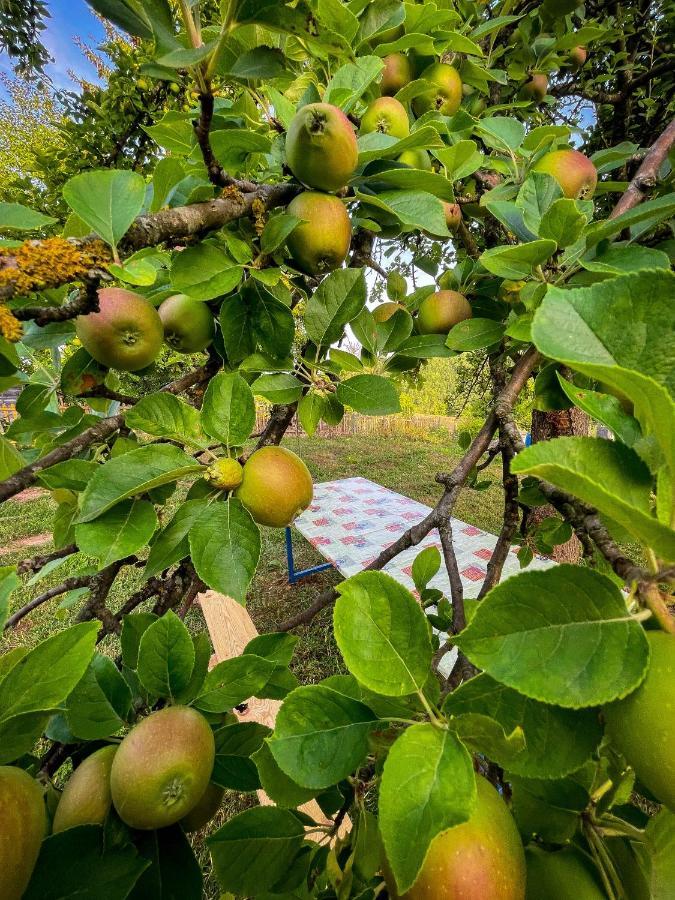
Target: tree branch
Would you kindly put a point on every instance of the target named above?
(35, 563)
(646, 176)
(216, 173)
(85, 302)
(99, 432)
(68, 585)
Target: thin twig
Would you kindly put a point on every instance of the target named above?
(69, 584)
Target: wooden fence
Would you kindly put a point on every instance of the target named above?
(353, 424)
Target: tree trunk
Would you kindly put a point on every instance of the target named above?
(545, 427)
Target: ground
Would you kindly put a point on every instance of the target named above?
(403, 463)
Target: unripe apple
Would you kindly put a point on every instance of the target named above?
(23, 825)
(174, 88)
(277, 486)
(126, 333)
(453, 215)
(536, 87)
(577, 57)
(481, 859)
(385, 311)
(142, 84)
(396, 74)
(561, 875)
(321, 242)
(574, 172)
(642, 725)
(162, 768)
(416, 159)
(387, 116)
(442, 311)
(447, 93)
(225, 474)
(188, 324)
(86, 798)
(321, 148)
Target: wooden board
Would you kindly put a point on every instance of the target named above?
(231, 628)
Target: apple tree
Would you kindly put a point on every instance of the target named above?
(502, 746)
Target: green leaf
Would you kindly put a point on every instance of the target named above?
(383, 146)
(310, 410)
(647, 215)
(620, 258)
(584, 328)
(519, 261)
(276, 230)
(235, 745)
(425, 565)
(371, 395)
(225, 548)
(475, 334)
(166, 657)
(551, 810)
(232, 681)
(606, 475)
(119, 532)
(277, 785)
(535, 197)
(280, 388)
(174, 132)
(17, 217)
(563, 222)
(460, 160)
(231, 146)
(416, 209)
(320, 736)
(9, 582)
(382, 634)
(338, 299)
(205, 271)
(261, 833)
(501, 132)
(428, 785)
(172, 544)
(425, 346)
(133, 628)
(557, 741)
(10, 459)
(351, 81)
(165, 415)
(38, 683)
(260, 63)
(100, 702)
(605, 409)
(185, 57)
(64, 857)
(107, 200)
(228, 413)
(562, 636)
(136, 472)
(174, 870)
(406, 179)
(72, 474)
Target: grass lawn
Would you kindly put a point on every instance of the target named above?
(400, 462)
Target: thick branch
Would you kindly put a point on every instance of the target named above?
(35, 563)
(646, 176)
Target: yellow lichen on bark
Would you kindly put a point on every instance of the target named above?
(37, 265)
(10, 328)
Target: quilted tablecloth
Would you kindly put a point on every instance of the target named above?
(352, 520)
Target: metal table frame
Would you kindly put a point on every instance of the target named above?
(295, 575)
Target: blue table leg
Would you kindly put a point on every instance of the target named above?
(294, 575)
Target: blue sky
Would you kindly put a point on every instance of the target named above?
(69, 18)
